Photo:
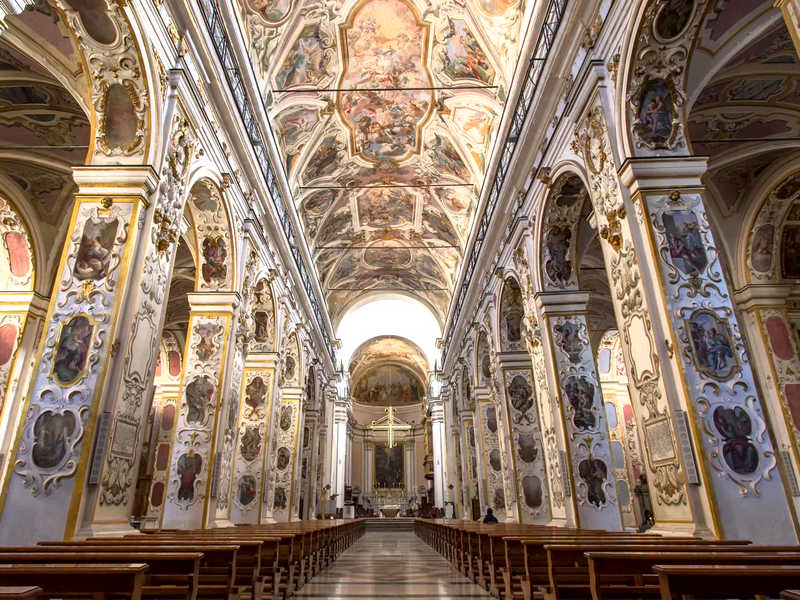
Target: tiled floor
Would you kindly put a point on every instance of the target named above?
(390, 565)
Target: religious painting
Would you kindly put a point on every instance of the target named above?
(19, 254)
(387, 255)
(289, 368)
(499, 498)
(656, 122)
(735, 426)
(790, 251)
(94, 252)
(95, 19)
(594, 471)
(189, 466)
(307, 61)
(711, 344)
(204, 196)
(52, 433)
(255, 393)
(250, 445)
(438, 226)
(215, 260)
(454, 199)
(532, 491)
(484, 360)
(388, 466)
(511, 314)
(337, 227)
(385, 207)
(384, 49)
(569, 337)
(461, 55)
(672, 18)
(247, 489)
(286, 417)
(293, 128)
(120, 122)
(520, 393)
(471, 435)
(283, 459)
(388, 385)
(495, 8)
(272, 10)
(494, 460)
(199, 393)
(206, 345)
(685, 243)
(262, 330)
(8, 341)
(557, 266)
(474, 124)
(72, 350)
(761, 248)
(325, 159)
(491, 419)
(526, 447)
(447, 160)
(580, 394)
(319, 202)
(280, 498)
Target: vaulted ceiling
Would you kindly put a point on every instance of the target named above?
(384, 112)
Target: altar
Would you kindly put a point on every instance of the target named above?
(390, 511)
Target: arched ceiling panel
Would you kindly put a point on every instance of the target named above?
(385, 113)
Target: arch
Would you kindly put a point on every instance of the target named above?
(558, 232)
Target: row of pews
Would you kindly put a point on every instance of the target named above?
(250, 562)
(533, 562)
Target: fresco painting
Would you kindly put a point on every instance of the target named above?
(385, 207)
(491, 419)
(189, 467)
(199, 394)
(250, 445)
(283, 459)
(384, 49)
(93, 258)
(557, 266)
(307, 61)
(454, 199)
(712, 346)
(215, 260)
(790, 251)
(594, 471)
(526, 447)
(72, 351)
(495, 8)
(52, 433)
(673, 18)
(324, 159)
(247, 489)
(521, 394)
(388, 466)
(286, 417)
(761, 248)
(206, 344)
(735, 427)
(511, 314)
(569, 336)
(447, 160)
(685, 242)
(580, 394)
(280, 498)
(656, 112)
(532, 491)
(462, 55)
(272, 10)
(388, 385)
(474, 124)
(387, 255)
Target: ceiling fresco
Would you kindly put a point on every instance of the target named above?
(388, 371)
(385, 112)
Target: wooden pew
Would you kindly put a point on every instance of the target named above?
(629, 574)
(99, 580)
(19, 592)
(712, 582)
(170, 575)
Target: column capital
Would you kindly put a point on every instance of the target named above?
(217, 302)
(261, 360)
(659, 173)
(561, 303)
(763, 296)
(115, 180)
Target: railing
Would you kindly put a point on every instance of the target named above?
(222, 45)
(555, 12)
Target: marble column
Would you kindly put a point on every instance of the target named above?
(50, 467)
(711, 372)
(473, 483)
(369, 467)
(339, 454)
(593, 495)
(410, 462)
(436, 409)
(195, 445)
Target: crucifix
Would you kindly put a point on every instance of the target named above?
(390, 423)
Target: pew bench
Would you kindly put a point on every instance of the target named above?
(59, 580)
(712, 582)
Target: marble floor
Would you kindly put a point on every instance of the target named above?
(390, 565)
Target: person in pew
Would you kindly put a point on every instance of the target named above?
(648, 522)
(490, 518)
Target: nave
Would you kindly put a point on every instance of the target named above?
(390, 564)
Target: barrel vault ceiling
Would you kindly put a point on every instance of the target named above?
(384, 112)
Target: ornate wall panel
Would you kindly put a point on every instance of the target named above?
(51, 455)
(251, 447)
(226, 447)
(528, 449)
(585, 424)
(191, 467)
(663, 461)
(284, 459)
(492, 458)
(739, 457)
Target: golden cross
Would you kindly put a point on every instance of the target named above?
(390, 423)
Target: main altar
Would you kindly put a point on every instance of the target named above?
(390, 502)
